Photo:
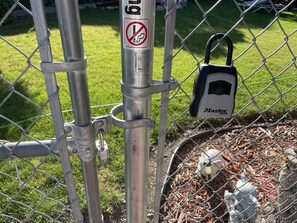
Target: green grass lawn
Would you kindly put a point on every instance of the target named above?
(101, 37)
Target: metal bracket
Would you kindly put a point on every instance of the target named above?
(86, 135)
(103, 123)
(156, 87)
(146, 122)
(50, 67)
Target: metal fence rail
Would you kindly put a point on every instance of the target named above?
(260, 145)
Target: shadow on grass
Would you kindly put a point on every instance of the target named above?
(14, 108)
(289, 16)
(221, 19)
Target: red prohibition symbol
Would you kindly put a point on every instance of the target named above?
(136, 33)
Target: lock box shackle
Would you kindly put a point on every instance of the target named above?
(210, 42)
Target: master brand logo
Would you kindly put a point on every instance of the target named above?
(218, 111)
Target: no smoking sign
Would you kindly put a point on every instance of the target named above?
(136, 33)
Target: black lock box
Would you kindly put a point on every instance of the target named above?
(215, 85)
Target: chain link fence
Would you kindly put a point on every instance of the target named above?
(39, 189)
(240, 169)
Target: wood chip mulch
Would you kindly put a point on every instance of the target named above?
(257, 151)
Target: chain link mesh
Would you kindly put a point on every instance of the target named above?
(31, 189)
(259, 140)
(257, 145)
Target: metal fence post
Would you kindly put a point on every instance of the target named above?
(70, 28)
(168, 49)
(52, 90)
(137, 31)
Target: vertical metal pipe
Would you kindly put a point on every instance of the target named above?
(168, 49)
(52, 91)
(70, 28)
(137, 32)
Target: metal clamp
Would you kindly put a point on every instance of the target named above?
(156, 87)
(102, 123)
(50, 67)
(86, 136)
(85, 139)
(145, 122)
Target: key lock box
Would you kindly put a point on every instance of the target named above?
(215, 85)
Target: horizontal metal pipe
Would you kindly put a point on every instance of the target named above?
(32, 149)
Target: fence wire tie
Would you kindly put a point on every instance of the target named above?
(49, 67)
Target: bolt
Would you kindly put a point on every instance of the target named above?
(68, 129)
(100, 123)
(173, 85)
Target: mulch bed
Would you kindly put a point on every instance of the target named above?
(256, 151)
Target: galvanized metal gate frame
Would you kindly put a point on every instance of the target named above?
(137, 88)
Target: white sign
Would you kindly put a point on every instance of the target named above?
(136, 24)
(136, 33)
